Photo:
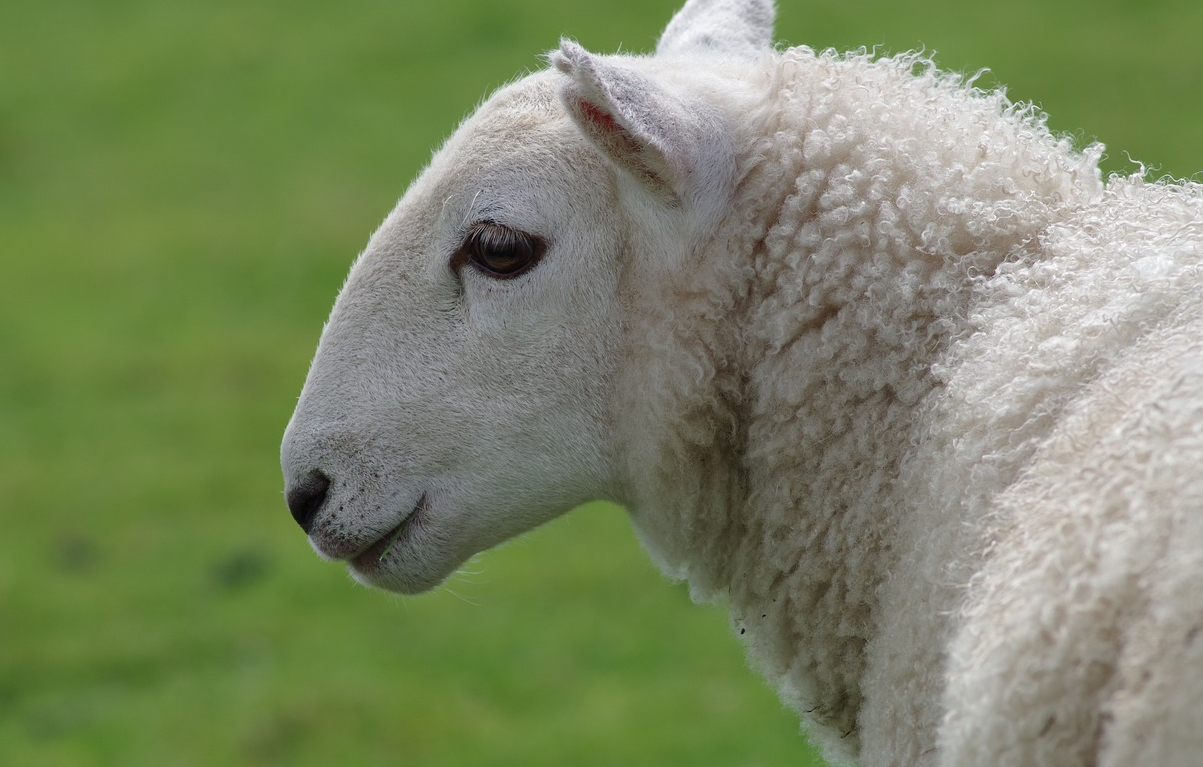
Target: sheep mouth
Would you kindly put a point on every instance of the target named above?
(392, 542)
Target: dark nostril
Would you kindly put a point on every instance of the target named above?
(306, 498)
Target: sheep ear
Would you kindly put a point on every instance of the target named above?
(722, 26)
(679, 151)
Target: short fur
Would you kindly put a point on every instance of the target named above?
(867, 352)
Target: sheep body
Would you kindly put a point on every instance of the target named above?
(866, 352)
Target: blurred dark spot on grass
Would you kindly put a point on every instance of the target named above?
(239, 570)
(77, 554)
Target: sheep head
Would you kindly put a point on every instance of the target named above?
(462, 390)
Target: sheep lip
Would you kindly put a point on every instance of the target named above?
(392, 541)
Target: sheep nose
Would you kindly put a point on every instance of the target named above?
(306, 498)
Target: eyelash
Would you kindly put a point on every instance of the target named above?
(497, 251)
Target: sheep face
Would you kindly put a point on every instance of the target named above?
(457, 396)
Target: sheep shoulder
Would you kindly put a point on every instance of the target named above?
(1086, 505)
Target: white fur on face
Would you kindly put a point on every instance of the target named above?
(452, 410)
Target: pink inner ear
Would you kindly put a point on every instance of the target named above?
(624, 147)
(598, 116)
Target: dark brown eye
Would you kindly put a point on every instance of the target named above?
(499, 251)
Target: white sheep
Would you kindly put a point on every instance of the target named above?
(865, 351)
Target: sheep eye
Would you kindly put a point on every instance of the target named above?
(499, 251)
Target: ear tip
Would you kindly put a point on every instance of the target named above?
(571, 49)
(561, 62)
(570, 57)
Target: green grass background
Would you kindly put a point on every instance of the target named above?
(182, 188)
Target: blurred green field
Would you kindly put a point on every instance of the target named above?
(182, 188)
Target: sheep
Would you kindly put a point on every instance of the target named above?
(865, 351)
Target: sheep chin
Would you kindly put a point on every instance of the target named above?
(404, 559)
